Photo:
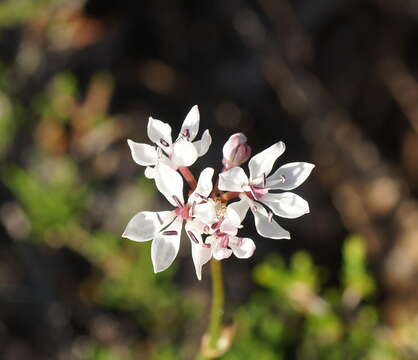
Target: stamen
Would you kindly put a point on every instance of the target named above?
(201, 196)
(177, 200)
(253, 193)
(217, 224)
(160, 152)
(164, 143)
(169, 232)
(192, 237)
(159, 219)
(206, 228)
(186, 134)
(270, 216)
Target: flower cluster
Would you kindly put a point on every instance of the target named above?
(211, 221)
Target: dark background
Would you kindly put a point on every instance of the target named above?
(335, 80)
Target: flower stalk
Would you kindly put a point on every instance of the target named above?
(188, 176)
(217, 310)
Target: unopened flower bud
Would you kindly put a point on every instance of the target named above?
(236, 151)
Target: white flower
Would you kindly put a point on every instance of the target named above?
(182, 153)
(222, 241)
(164, 228)
(257, 189)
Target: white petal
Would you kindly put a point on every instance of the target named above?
(231, 222)
(233, 180)
(149, 172)
(228, 227)
(143, 154)
(205, 212)
(190, 126)
(160, 134)
(289, 176)
(165, 246)
(204, 184)
(219, 253)
(197, 225)
(240, 208)
(261, 164)
(202, 145)
(243, 248)
(194, 230)
(287, 204)
(201, 254)
(170, 183)
(266, 226)
(145, 224)
(184, 153)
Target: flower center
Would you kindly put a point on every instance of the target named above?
(220, 208)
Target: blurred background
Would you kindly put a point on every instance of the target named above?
(336, 80)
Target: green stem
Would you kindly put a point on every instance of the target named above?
(215, 325)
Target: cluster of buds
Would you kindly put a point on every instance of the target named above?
(211, 220)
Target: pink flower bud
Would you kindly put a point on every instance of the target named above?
(236, 151)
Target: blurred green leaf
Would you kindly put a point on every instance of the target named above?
(13, 12)
(357, 282)
(48, 204)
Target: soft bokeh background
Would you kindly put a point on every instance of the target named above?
(335, 79)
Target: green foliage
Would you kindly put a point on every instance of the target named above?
(50, 203)
(10, 112)
(13, 12)
(7, 126)
(57, 102)
(294, 317)
(355, 277)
